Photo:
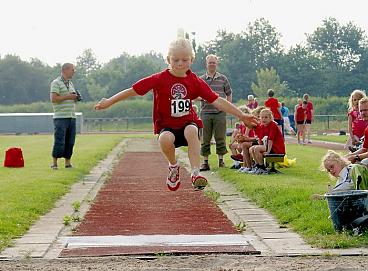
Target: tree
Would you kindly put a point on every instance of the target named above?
(242, 54)
(340, 46)
(123, 71)
(263, 43)
(23, 82)
(269, 79)
(87, 62)
(302, 70)
(96, 91)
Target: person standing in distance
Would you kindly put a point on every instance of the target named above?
(214, 120)
(63, 97)
(310, 116)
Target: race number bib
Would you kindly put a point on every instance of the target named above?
(180, 107)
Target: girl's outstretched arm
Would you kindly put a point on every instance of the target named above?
(122, 95)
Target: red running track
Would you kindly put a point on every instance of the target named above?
(136, 201)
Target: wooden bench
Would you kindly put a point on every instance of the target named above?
(273, 158)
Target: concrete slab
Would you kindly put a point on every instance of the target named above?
(280, 235)
(155, 240)
(347, 252)
(36, 239)
(252, 211)
(25, 251)
(258, 218)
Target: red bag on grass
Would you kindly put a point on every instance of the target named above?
(14, 158)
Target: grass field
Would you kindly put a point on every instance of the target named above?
(331, 138)
(26, 193)
(287, 197)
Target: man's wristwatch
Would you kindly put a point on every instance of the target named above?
(356, 157)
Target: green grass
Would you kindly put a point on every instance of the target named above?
(29, 192)
(287, 197)
(331, 138)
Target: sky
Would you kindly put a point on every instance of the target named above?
(59, 31)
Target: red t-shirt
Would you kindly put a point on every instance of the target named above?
(242, 128)
(358, 125)
(253, 105)
(300, 113)
(309, 110)
(252, 133)
(365, 143)
(273, 132)
(172, 98)
(273, 105)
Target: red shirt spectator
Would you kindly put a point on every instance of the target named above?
(273, 105)
(242, 128)
(309, 110)
(300, 114)
(357, 123)
(273, 132)
(365, 143)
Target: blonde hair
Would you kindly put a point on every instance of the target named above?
(212, 56)
(357, 93)
(266, 112)
(181, 44)
(244, 109)
(333, 157)
(256, 112)
(363, 100)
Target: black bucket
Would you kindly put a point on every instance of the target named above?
(346, 206)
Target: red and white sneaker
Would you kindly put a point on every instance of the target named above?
(199, 182)
(173, 181)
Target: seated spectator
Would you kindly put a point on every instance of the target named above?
(256, 112)
(234, 145)
(356, 125)
(247, 142)
(362, 153)
(244, 140)
(240, 131)
(270, 140)
(348, 176)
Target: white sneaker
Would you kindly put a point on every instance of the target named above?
(252, 170)
(241, 169)
(173, 180)
(260, 171)
(245, 169)
(265, 141)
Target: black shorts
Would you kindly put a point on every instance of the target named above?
(254, 142)
(179, 135)
(300, 122)
(308, 122)
(279, 122)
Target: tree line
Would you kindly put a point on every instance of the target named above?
(332, 61)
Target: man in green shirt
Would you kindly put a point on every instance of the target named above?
(63, 97)
(214, 120)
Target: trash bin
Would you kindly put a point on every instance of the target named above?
(346, 206)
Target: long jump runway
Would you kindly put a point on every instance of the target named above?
(134, 213)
